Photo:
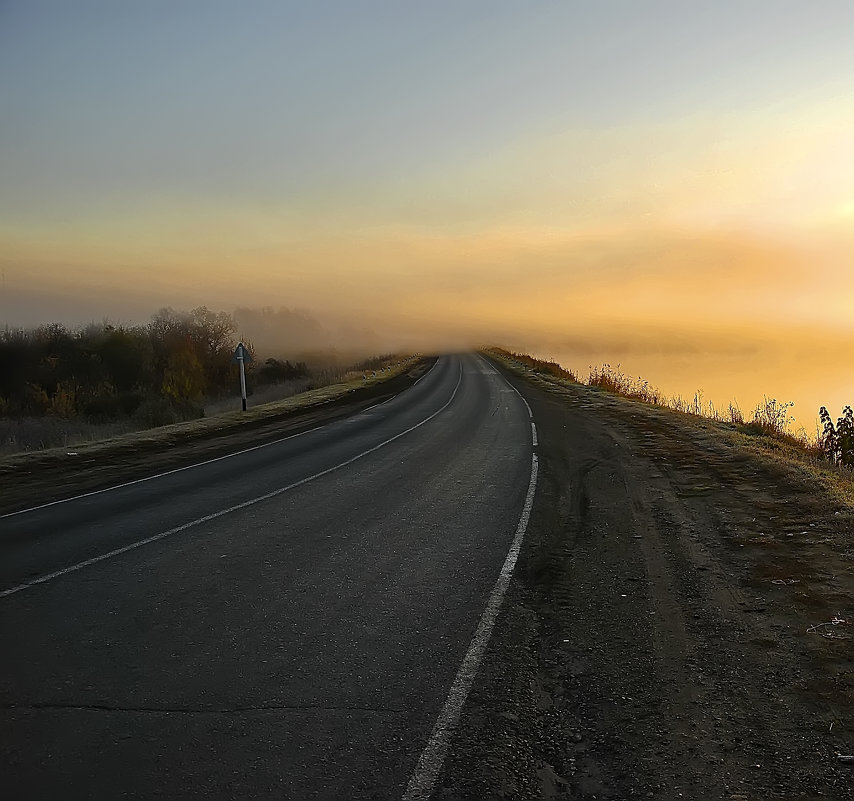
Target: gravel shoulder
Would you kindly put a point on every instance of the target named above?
(44, 476)
(669, 631)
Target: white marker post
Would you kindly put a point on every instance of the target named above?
(242, 356)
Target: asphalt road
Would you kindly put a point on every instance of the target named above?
(285, 622)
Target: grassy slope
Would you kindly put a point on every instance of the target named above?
(99, 463)
(782, 451)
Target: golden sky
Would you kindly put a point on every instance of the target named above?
(637, 177)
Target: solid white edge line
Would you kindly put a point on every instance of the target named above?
(418, 381)
(207, 518)
(197, 464)
(524, 400)
(423, 780)
(521, 396)
(426, 773)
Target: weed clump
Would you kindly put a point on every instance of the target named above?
(771, 417)
(613, 380)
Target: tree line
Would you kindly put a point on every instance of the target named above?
(159, 372)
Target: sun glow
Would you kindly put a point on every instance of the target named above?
(561, 178)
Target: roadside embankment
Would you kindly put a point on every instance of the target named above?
(767, 441)
(39, 477)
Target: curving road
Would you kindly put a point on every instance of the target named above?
(284, 622)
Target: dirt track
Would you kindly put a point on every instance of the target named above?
(654, 641)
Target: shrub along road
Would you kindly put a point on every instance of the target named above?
(669, 631)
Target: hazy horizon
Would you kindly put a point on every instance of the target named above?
(669, 185)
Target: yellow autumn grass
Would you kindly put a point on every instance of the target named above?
(221, 425)
(766, 440)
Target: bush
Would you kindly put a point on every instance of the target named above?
(129, 402)
(102, 408)
(275, 371)
(154, 412)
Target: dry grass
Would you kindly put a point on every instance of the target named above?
(38, 433)
(765, 434)
(49, 435)
(541, 366)
(771, 416)
(269, 393)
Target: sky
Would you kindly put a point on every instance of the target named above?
(608, 180)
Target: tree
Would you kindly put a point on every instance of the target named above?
(123, 355)
(837, 441)
(183, 377)
(213, 337)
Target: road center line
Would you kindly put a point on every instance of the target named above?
(207, 518)
(197, 464)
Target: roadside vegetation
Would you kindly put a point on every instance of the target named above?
(62, 387)
(768, 428)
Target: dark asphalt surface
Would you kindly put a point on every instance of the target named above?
(300, 646)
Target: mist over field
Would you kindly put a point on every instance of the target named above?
(667, 187)
(738, 317)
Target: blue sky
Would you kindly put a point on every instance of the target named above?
(129, 103)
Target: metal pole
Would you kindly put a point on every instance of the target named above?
(242, 381)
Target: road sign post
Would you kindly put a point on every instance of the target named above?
(242, 356)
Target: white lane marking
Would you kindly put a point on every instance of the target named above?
(527, 406)
(425, 374)
(197, 464)
(423, 780)
(158, 475)
(497, 372)
(207, 518)
(534, 434)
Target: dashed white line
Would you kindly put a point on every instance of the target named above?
(423, 779)
(207, 518)
(527, 405)
(426, 773)
(521, 396)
